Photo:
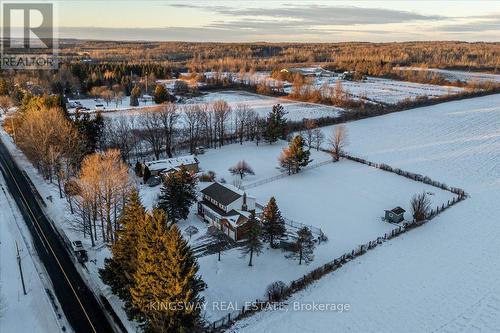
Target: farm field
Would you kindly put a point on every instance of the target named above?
(454, 257)
(263, 104)
(387, 91)
(456, 75)
(372, 89)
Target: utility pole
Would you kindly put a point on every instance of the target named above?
(146, 83)
(20, 268)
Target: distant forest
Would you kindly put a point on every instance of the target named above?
(367, 58)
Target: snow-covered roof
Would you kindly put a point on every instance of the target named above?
(171, 163)
(398, 210)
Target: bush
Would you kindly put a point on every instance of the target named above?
(207, 177)
(276, 291)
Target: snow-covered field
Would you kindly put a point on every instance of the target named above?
(443, 277)
(90, 104)
(456, 75)
(386, 90)
(263, 104)
(346, 200)
(18, 312)
(372, 89)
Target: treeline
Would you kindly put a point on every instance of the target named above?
(170, 127)
(368, 58)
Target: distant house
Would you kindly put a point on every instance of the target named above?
(172, 164)
(349, 76)
(309, 71)
(227, 208)
(395, 215)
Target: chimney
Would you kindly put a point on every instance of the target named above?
(244, 206)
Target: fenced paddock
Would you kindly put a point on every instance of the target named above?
(307, 279)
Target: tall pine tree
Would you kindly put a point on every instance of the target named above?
(253, 244)
(275, 124)
(303, 248)
(167, 288)
(272, 221)
(178, 194)
(299, 155)
(119, 270)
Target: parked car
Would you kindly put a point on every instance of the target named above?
(99, 107)
(79, 252)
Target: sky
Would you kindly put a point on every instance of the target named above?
(276, 21)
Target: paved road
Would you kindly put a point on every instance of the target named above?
(78, 303)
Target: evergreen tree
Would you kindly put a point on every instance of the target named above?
(167, 287)
(119, 270)
(146, 175)
(253, 243)
(275, 124)
(178, 194)
(4, 87)
(134, 96)
(299, 156)
(303, 248)
(161, 94)
(272, 221)
(138, 169)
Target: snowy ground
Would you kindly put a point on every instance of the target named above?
(263, 104)
(455, 75)
(21, 313)
(386, 90)
(90, 104)
(346, 200)
(443, 277)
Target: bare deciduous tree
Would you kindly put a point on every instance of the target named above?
(151, 129)
(221, 110)
(169, 117)
(318, 138)
(420, 206)
(243, 112)
(104, 186)
(242, 168)
(193, 116)
(310, 125)
(338, 141)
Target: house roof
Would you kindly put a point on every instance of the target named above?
(222, 193)
(398, 210)
(171, 163)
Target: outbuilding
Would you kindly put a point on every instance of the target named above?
(395, 215)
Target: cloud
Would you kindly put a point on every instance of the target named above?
(474, 24)
(319, 14)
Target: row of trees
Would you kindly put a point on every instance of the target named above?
(99, 194)
(154, 271)
(210, 124)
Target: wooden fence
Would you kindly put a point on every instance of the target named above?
(314, 275)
